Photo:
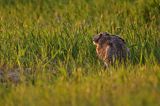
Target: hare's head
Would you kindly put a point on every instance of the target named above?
(102, 38)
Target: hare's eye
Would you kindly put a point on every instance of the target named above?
(100, 35)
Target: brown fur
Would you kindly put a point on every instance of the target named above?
(110, 48)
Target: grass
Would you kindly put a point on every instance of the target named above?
(54, 40)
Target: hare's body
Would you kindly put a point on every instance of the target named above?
(110, 48)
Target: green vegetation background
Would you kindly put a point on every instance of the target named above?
(53, 38)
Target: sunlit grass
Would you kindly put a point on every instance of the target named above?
(53, 39)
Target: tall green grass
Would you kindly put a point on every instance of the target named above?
(54, 39)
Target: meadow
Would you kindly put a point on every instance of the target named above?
(52, 39)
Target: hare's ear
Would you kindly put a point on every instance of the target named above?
(100, 35)
(121, 39)
(106, 33)
(96, 38)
